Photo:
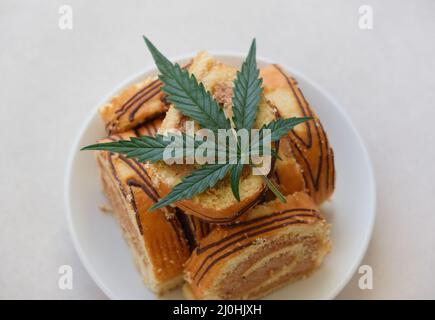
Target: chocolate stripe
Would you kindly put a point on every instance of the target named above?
(143, 187)
(143, 97)
(190, 237)
(140, 103)
(114, 173)
(136, 211)
(202, 227)
(146, 187)
(314, 179)
(138, 99)
(138, 95)
(201, 250)
(235, 250)
(312, 212)
(225, 220)
(145, 178)
(123, 192)
(244, 233)
(302, 109)
(178, 228)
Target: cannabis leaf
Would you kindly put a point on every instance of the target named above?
(273, 188)
(274, 131)
(189, 97)
(280, 127)
(192, 99)
(236, 172)
(247, 91)
(246, 96)
(205, 177)
(147, 148)
(143, 148)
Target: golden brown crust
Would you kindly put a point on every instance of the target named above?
(135, 105)
(309, 142)
(276, 243)
(211, 215)
(156, 238)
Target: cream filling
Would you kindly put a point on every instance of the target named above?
(264, 261)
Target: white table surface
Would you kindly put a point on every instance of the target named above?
(50, 79)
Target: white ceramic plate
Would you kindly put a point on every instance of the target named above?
(101, 248)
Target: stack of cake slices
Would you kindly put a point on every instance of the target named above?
(214, 245)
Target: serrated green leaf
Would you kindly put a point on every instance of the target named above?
(188, 95)
(274, 189)
(236, 172)
(280, 127)
(192, 99)
(276, 130)
(143, 148)
(247, 91)
(147, 148)
(205, 177)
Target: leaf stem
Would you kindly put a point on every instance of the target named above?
(274, 189)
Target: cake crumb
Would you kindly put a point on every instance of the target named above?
(169, 214)
(105, 208)
(129, 198)
(259, 241)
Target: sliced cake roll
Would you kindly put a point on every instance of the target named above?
(309, 159)
(135, 105)
(216, 205)
(276, 243)
(157, 238)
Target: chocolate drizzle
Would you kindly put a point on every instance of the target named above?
(137, 101)
(302, 212)
(144, 184)
(241, 247)
(188, 232)
(141, 172)
(134, 103)
(204, 228)
(131, 183)
(145, 188)
(311, 177)
(137, 96)
(178, 228)
(254, 228)
(155, 90)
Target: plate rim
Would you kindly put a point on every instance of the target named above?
(219, 54)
